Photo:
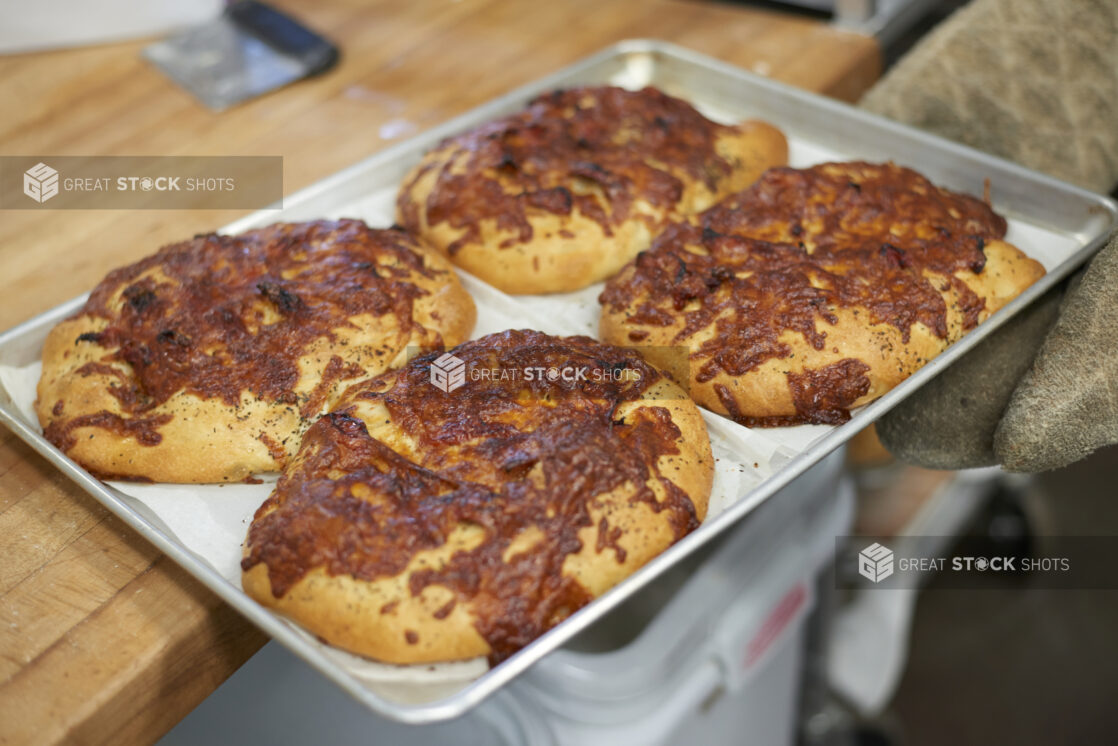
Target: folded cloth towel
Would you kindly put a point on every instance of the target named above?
(1066, 405)
(1035, 81)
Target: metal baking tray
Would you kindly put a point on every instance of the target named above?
(1059, 224)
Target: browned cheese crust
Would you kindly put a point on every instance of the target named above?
(416, 525)
(563, 194)
(816, 290)
(207, 361)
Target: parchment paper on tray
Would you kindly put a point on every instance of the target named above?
(1055, 223)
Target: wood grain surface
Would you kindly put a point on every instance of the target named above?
(103, 639)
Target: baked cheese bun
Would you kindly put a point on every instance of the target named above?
(419, 525)
(207, 361)
(816, 290)
(563, 194)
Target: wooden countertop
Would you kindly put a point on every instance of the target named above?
(101, 637)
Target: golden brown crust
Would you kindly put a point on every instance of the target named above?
(416, 525)
(563, 194)
(817, 290)
(207, 361)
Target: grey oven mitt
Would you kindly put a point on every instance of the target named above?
(1035, 81)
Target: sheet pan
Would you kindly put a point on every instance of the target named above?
(201, 527)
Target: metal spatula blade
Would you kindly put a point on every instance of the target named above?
(250, 50)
